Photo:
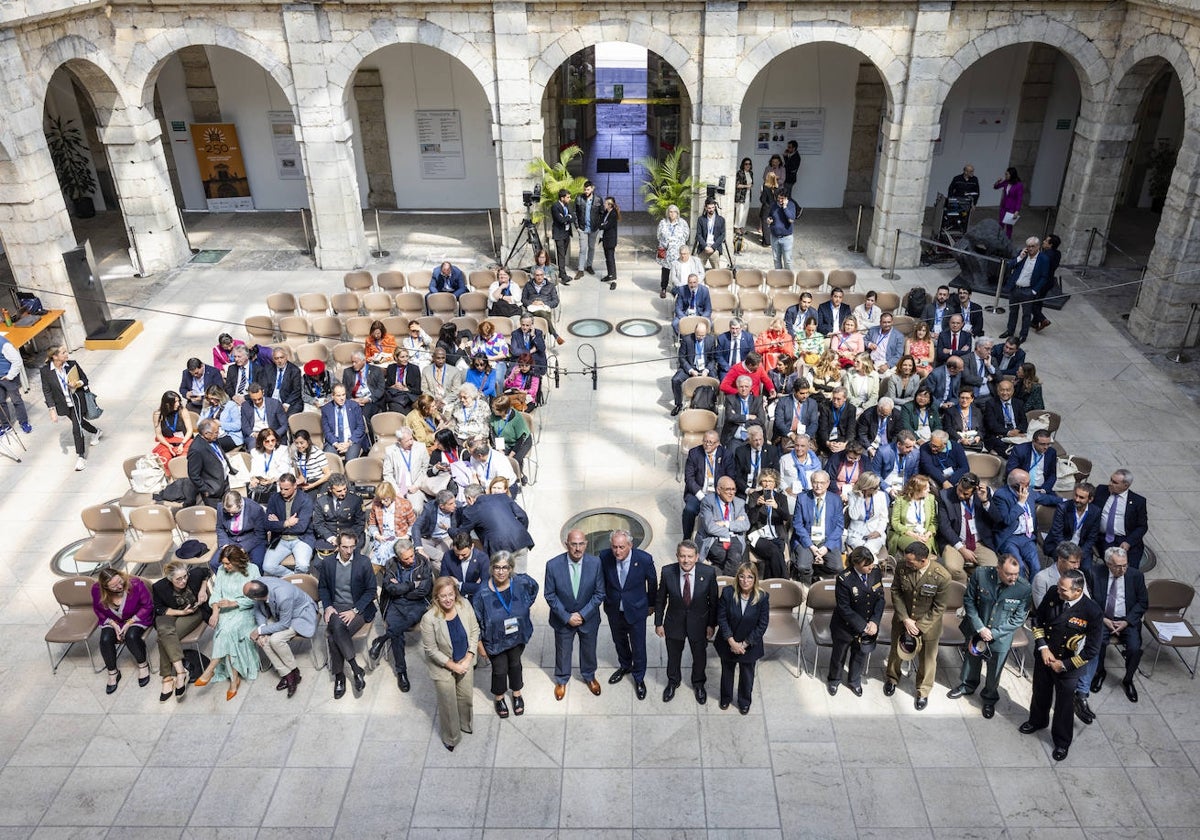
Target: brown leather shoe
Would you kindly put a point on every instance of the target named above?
(594, 687)
(560, 691)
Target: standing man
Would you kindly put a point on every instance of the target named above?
(919, 594)
(1123, 520)
(686, 612)
(791, 167)
(574, 591)
(1029, 274)
(710, 236)
(10, 386)
(346, 584)
(1121, 592)
(630, 590)
(562, 223)
(996, 605)
(587, 215)
(782, 221)
(283, 612)
(1066, 636)
(965, 185)
(855, 624)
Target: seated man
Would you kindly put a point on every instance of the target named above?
(197, 379)
(885, 344)
(365, 384)
(406, 584)
(441, 380)
(741, 410)
(241, 522)
(448, 278)
(954, 341)
(1120, 591)
(751, 458)
(240, 373)
(938, 311)
(832, 312)
(404, 466)
(1067, 556)
(705, 464)
(964, 527)
(346, 585)
(723, 527)
(343, 427)
(797, 464)
(1004, 420)
(1039, 459)
(527, 339)
(1076, 520)
(798, 313)
(1008, 357)
(693, 299)
(837, 425)
(732, 347)
(433, 526)
(338, 510)
(817, 528)
(284, 381)
(944, 383)
(539, 295)
(289, 529)
(696, 358)
(1016, 522)
(262, 412)
(972, 312)
(877, 427)
(1123, 519)
(979, 371)
(943, 460)
(897, 464)
(282, 611)
(752, 367)
(799, 415)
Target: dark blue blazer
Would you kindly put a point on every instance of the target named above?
(998, 355)
(702, 304)
(1021, 458)
(354, 416)
(1062, 529)
(785, 410)
(718, 231)
(640, 590)
(276, 419)
(563, 602)
(687, 353)
(835, 520)
(210, 377)
(302, 509)
(291, 390)
(885, 461)
(747, 627)
(867, 427)
(936, 383)
(470, 575)
(793, 320)
(456, 283)
(1137, 599)
(825, 316)
(941, 350)
(693, 469)
(1136, 523)
(253, 534)
(1006, 516)
(724, 345)
(362, 583)
(498, 521)
(934, 465)
(253, 370)
(518, 345)
(1041, 272)
(427, 519)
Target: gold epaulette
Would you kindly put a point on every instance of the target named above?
(1078, 661)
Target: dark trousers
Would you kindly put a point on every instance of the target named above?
(771, 554)
(610, 261)
(699, 646)
(837, 659)
(79, 425)
(691, 511)
(564, 646)
(134, 640)
(1057, 690)
(398, 623)
(562, 248)
(1131, 636)
(745, 681)
(520, 450)
(726, 559)
(506, 670)
(972, 669)
(341, 643)
(1020, 300)
(666, 278)
(10, 389)
(677, 381)
(629, 638)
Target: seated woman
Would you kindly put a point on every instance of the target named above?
(380, 344)
(920, 347)
(504, 296)
(510, 430)
(827, 374)
(914, 516)
(964, 422)
(862, 383)
(391, 518)
(810, 346)
(492, 345)
(218, 406)
(312, 467)
(867, 313)
(403, 383)
(867, 511)
(469, 416)
(449, 636)
(1029, 388)
(543, 261)
(268, 461)
(774, 342)
(498, 485)
(902, 383)
(770, 515)
(847, 343)
(172, 428)
(124, 610)
(234, 654)
(458, 350)
(921, 416)
(316, 384)
(223, 353)
(483, 376)
(418, 344)
(422, 420)
(524, 380)
(180, 606)
(447, 465)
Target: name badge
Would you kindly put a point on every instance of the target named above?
(833, 433)
(511, 625)
(947, 471)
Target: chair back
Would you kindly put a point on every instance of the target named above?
(177, 467)
(696, 420)
(785, 595)
(377, 304)
(481, 279)
(313, 303)
(887, 301)
(281, 304)
(809, 279)
(392, 281)
(260, 328)
(357, 281)
(74, 593)
(365, 470)
(310, 421)
(345, 303)
(343, 353)
(842, 278)
(718, 278)
(359, 326)
(195, 520)
(750, 278)
(1169, 596)
(385, 423)
(780, 278)
(306, 583)
(410, 305)
(152, 518)
(985, 465)
(442, 303)
(306, 353)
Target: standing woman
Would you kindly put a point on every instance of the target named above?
(180, 606)
(673, 233)
(610, 216)
(1011, 195)
(744, 181)
(743, 611)
(449, 634)
(125, 610)
(767, 200)
(172, 428)
(63, 384)
(502, 606)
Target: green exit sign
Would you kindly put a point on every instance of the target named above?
(618, 91)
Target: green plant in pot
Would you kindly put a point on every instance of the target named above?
(554, 178)
(72, 164)
(667, 183)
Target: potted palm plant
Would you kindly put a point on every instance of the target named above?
(556, 177)
(72, 164)
(667, 183)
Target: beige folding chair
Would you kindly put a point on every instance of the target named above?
(784, 628)
(687, 324)
(106, 526)
(431, 324)
(1169, 602)
(481, 279)
(720, 322)
(132, 499)
(260, 328)
(313, 304)
(757, 322)
(327, 329)
(904, 324)
(985, 465)
(343, 355)
(442, 303)
(519, 276)
(198, 522)
(346, 304)
(723, 301)
(888, 301)
(306, 353)
(359, 327)
(952, 635)
(782, 301)
(465, 322)
(358, 282)
(822, 602)
(365, 471)
(392, 281)
(854, 299)
(842, 278)
(693, 382)
(749, 278)
(310, 421)
(307, 584)
(77, 622)
(153, 529)
(177, 467)
(819, 298)
(503, 325)
(410, 305)
(753, 300)
(809, 279)
(780, 279)
(385, 423)
(281, 305)
(693, 423)
(295, 330)
(718, 278)
(377, 304)
(474, 304)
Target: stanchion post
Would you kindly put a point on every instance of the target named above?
(307, 249)
(137, 254)
(996, 307)
(1179, 357)
(187, 237)
(891, 273)
(1087, 256)
(856, 247)
(379, 252)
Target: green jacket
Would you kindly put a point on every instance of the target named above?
(989, 603)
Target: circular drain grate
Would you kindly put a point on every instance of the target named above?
(639, 328)
(598, 523)
(589, 328)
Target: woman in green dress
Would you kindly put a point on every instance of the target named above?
(234, 654)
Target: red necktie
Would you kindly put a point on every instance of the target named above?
(687, 588)
(968, 521)
(953, 341)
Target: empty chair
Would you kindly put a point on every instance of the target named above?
(985, 465)
(780, 278)
(757, 322)
(345, 304)
(295, 330)
(854, 299)
(343, 354)
(396, 325)
(327, 329)
(307, 352)
(888, 301)
(723, 301)
(752, 300)
(718, 278)
(952, 634)
(358, 282)
(842, 278)
(106, 545)
(819, 297)
(310, 421)
(313, 304)
(782, 300)
(519, 276)
(77, 622)
(260, 328)
(359, 326)
(410, 305)
(392, 281)
(1169, 602)
(377, 304)
(784, 628)
(198, 522)
(281, 305)
(904, 324)
(720, 322)
(693, 423)
(470, 323)
(474, 304)
(177, 467)
(809, 279)
(154, 529)
(442, 303)
(749, 278)
(385, 424)
(481, 279)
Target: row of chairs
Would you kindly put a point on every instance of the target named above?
(363, 283)
(783, 279)
(298, 331)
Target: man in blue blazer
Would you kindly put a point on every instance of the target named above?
(1126, 525)
(262, 412)
(283, 381)
(697, 357)
(241, 522)
(817, 528)
(346, 585)
(945, 382)
(466, 564)
(574, 590)
(342, 425)
(196, 380)
(733, 347)
(498, 521)
(448, 278)
(832, 313)
(630, 592)
(1004, 419)
(1076, 520)
(1119, 590)
(289, 528)
(532, 341)
(1008, 357)
(1014, 514)
(1039, 459)
(705, 464)
(943, 460)
(1028, 276)
(800, 414)
(897, 463)
(885, 344)
(693, 299)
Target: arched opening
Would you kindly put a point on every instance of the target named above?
(423, 131)
(620, 103)
(830, 100)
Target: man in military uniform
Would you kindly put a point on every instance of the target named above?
(338, 510)
(855, 622)
(919, 594)
(1066, 636)
(996, 604)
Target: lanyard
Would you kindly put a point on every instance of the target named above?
(270, 458)
(869, 507)
(174, 424)
(506, 604)
(303, 465)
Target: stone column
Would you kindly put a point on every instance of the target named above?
(324, 137)
(718, 127)
(517, 126)
(372, 123)
(133, 142)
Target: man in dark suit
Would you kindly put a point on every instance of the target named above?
(945, 382)
(943, 460)
(1123, 519)
(791, 167)
(574, 590)
(837, 424)
(686, 613)
(742, 410)
(938, 311)
(832, 313)
(338, 510)
(705, 464)
(859, 596)
(972, 312)
(1028, 276)
(954, 341)
(692, 300)
(733, 347)
(346, 584)
(365, 385)
(241, 522)
(208, 468)
(284, 381)
(1008, 357)
(710, 236)
(240, 374)
(402, 383)
(466, 564)
(432, 528)
(1120, 591)
(630, 590)
(1066, 636)
(817, 529)
(964, 526)
(532, 341)
(1038, 458)
(697, 357)
(342, 425)
(198, 378)
(896, 465)
(262, 412)
(448, 278)
(498, 521)
(587, 215)
(1075, 520)
(289, 529)
(562, 222)
(1004, 419)
(978, 370)
(798, 414)
(877, 427)
(798, 313)
(751, 458)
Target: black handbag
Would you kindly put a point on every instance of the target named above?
(91, 409)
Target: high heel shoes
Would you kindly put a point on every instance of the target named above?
(168, 689)
(180, 689)
(205, 678)
(143, 681)
(116, 680)
(233, 689)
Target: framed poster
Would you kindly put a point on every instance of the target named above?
(777, 126)
(222, 170)
(440, 145)
(283, 141)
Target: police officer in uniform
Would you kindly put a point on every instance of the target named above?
(338, 510)
(1066, 636)
(855, 623)
(919, 594)
(996, 605)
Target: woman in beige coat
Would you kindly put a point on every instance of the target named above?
(449, 636)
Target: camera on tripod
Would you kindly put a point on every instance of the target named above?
(532, 197)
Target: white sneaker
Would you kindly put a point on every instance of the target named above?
(96, 437)
(80, 464)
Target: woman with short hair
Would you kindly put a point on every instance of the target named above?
(180, 606)
(503, 606)
(914, 516)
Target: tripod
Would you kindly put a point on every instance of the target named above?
(8, 436)
(527, 236)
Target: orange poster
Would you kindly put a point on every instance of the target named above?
(222, 169)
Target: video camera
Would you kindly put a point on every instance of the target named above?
(532, 197)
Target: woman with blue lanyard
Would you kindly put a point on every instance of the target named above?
(172, 428)
(502, 606)
(914, 516)
(63, 386)
(268, 461)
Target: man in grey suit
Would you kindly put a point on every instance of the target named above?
(283, 612)
(575, 590)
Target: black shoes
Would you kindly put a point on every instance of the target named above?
(701, 695)
(889, 688)
(959, 691)
(617, 676)
(1005, 334)
(1059, 753)
(293, 681)
(283, 683)
(744, 709)
(832, 688)
(1098, 682)
(402, 681)
(1082, 710)
(989, 711)
(359, 679)
(1028, 728)
(1130, 691)
(675, 411)
(920, 703)
(376, 648)
(502, 708)
(856, 690)
(518, 705)
(112, 686)
(669, 693)
(723, 705)
(639, 688)
(589, 271)
(339, 686)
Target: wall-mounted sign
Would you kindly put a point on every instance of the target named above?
(283, 140)
(985, 120)
(777, 126)
(440, 145)
(222, 169)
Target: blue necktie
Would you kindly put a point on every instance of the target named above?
(341, 423)
(278, 383)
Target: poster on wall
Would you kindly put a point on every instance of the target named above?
(222, 170)
(287, 150)
(985, 120)
(440, 145)
(777, 126)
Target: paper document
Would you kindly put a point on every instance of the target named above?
(1167, 630)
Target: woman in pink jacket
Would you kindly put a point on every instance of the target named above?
(1012, 193)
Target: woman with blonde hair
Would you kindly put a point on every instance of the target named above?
(827, 374)
(391, 518)
(867, 510)
(672, 234)
(862, 382)
(124, 610)
(449, 635)
(423, 420)
(774, 343)
(64, 385)
(914, 516)
(743, 611)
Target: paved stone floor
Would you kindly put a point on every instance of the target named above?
(78, 763)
